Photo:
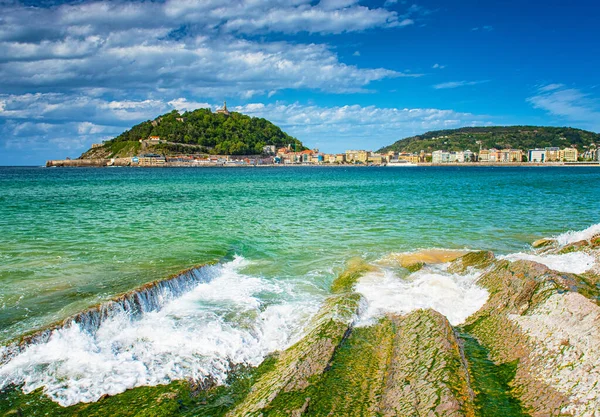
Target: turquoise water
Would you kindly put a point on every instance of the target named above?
(72, 237)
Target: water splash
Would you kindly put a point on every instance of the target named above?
(219, 321)
(577, 236)
(575, 263)
(453, 295)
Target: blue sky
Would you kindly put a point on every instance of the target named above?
(337, 74)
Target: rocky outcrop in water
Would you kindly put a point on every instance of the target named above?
(547, 325)
(531, 350)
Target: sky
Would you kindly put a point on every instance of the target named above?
(336, 74)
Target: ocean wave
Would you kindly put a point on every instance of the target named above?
(577, 236)
(574, 263)
(199, 334)
(453, 295)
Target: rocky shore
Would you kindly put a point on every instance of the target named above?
(531, 350)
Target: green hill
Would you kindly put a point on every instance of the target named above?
(198, 131)
(500, 137)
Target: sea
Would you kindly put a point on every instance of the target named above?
(261, 247)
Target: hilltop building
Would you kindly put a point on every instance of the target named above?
(224, 109)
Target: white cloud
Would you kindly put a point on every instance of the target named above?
(570, 104)
(438, 66)
(456, 84)
(335, 128)
(405, 22)
(43, 121)
(185, 44)
(356, 53)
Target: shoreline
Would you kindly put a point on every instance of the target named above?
(91, 163)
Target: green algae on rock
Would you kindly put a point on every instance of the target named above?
(536, 318)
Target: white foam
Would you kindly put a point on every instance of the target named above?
(200, 334)
(455, 296)
(575, 262)
(577, 236)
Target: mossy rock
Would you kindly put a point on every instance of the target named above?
(480, 260)
(543, 243)
(417, 266)
(355, 269)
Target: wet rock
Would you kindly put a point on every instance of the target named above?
(542, 243)
(479, 260)
(427, 374)
(537, 319)
(284, 389)
(414, 261)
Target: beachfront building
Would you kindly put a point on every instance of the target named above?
(377, 159)
(465, 156)
(440, 157)
(151, 159)
(306, 156)
(536, 155)
(568, 155)
(510, 155)
(357, 156)
(490, 155)
(408, 157)
(484, 155)
(553, 154)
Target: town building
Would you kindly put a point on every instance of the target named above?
(357, 156)
(151, 159)
(510, 155)
(553, 154)
(536, 155)
(440, 157)
(377, 159)
(568, 155)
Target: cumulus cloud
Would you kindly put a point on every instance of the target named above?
(456, 84)
(335, 128)
(42, 121)
(78, 72)
(199, 47)
(438, 66)
(569, 104)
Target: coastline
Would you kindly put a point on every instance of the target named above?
(126, 162)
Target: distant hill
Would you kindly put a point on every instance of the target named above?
(197, 131)
(516, 137)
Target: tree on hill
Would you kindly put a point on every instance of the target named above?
(233, 134)
(500, 137)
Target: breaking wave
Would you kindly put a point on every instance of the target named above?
(575, 263)
(577, 236)
(453, 295)
(219, 320)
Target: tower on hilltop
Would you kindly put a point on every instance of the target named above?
(224, 109)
